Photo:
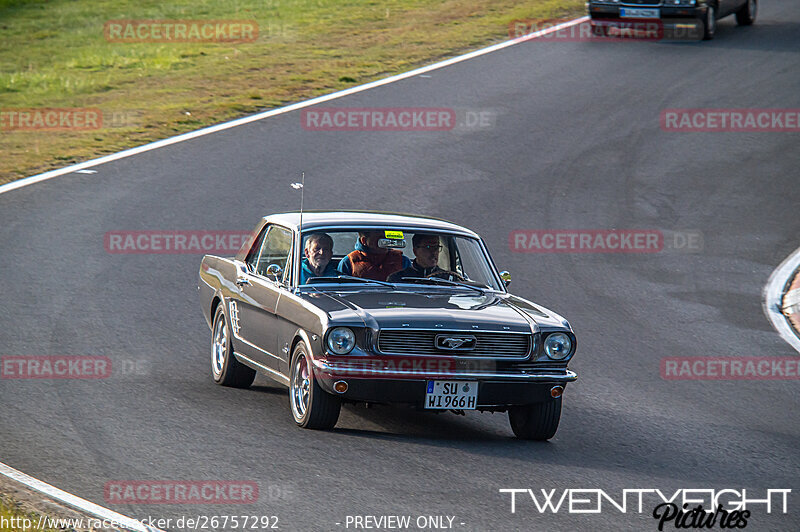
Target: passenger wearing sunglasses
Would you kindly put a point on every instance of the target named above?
(426, 261)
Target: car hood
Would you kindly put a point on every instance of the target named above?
(448, 309)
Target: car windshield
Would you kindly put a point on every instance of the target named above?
(391, 254)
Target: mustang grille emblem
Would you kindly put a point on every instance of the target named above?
(455, 343)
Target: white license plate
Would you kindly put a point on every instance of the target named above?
(626, 12)
(457, 395)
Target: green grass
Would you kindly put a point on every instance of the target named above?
(11, 513)
(54, 54)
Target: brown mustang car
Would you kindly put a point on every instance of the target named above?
(306, 302)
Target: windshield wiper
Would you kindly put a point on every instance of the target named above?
(346, 279)
(438, 280)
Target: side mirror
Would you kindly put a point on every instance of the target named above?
(275, 271)
(506, 277)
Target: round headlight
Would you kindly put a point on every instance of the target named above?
(557, 346)
(341, 340)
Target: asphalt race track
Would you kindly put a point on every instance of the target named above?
(573, 141)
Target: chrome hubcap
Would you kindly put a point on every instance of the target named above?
(301, 385)
(219, 346)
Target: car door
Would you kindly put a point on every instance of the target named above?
(260, 284)
(291, 312)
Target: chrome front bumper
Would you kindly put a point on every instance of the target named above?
(360, 369)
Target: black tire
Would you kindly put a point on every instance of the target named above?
(225, 369)
(538, 421)
(311, 406)
(747, 14)
(710, 24)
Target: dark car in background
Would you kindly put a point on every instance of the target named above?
(673, 14)
(453, 340)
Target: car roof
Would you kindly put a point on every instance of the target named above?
(345, 218)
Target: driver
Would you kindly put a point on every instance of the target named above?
(426, 261)
(317, 261)
(369, 261)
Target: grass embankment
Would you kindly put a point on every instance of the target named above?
(55, 55)
(11, 514)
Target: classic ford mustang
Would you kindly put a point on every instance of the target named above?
(383, 308)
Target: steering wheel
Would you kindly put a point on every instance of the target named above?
(447, 272)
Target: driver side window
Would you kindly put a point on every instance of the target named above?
(275, 249)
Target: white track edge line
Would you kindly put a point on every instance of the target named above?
(75, 501)
(773, 295)
(281, 110)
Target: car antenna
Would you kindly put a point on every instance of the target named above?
(302, 186)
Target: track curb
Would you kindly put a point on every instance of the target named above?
(790, 303)
(781, 299)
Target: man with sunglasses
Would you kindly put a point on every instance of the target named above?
(426, 261)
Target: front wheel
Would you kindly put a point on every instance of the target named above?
(225, 369)
(312, 407)
(747, 14)
(538, 421)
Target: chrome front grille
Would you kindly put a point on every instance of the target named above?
(423, 343)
